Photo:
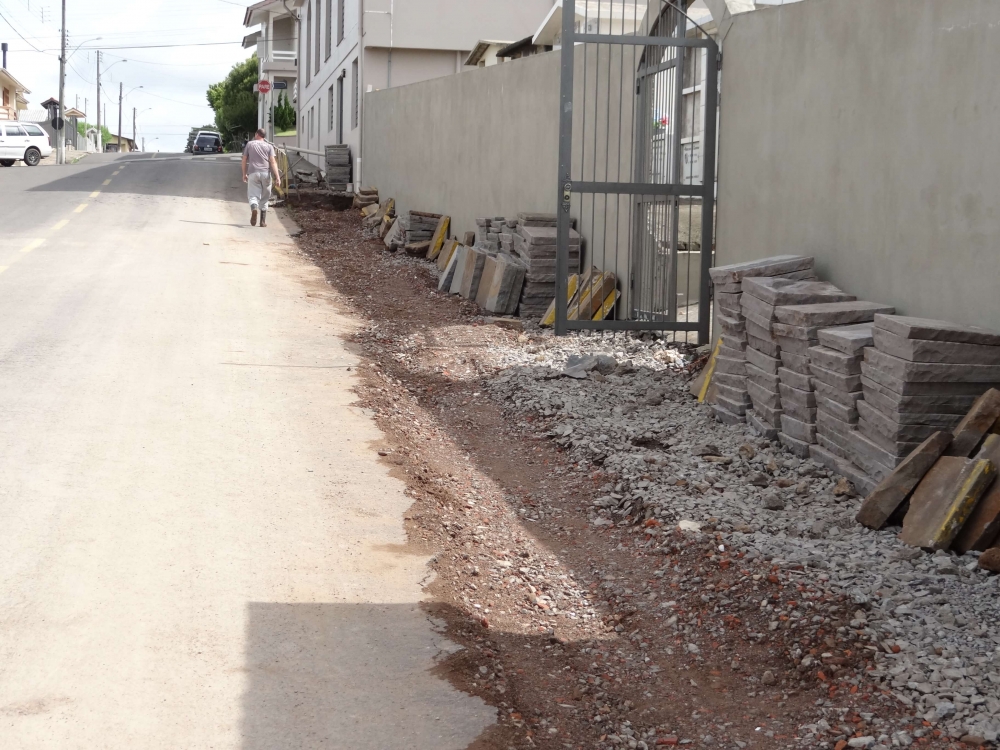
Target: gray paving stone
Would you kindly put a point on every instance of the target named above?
(869, 457)
(794, 379)
(847, 339)
(831, 359)
(889, 402)
(760, 323)
(731, 365)
(763, 379)
(728, 379)
(806, 333)
(898, 448)
(847, 414)
(795, 346)
(778, 291)
(761, 395)
(731, 325)
(736, 395)
(773, 266)
(921, 350)
(841, 382)
(738, 408)
(845, 398)
(759, 331)
(936, 330)
(769, 415)
(940, 421)
(766, 347)
(806, 414)
(796, 362)
(827, 314)
(725, 416)
(983, 415)
(762, 427)
(893, 430)
(750, 306)
(725, 351)
(924, 372)
(760, 360)
(799, 447)
(834, 425)
(734, 343)
(944, 499)
(832, 442)
(804, 399)
(910, 388)
(982, 526)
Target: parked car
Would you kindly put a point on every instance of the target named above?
(207, 143)
(23, 141)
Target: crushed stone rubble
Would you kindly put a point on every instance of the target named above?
(623, 403)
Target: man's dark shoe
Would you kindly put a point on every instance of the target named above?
(253, 217)
(263, 218)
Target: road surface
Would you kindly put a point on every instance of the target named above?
(198, 545)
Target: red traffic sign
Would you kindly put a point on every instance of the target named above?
(264, 87)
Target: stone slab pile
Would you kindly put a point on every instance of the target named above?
(837, 356)
(920, 377)
(421, 227)
(771, 365)
(731, 376)
(535, 245)
(803, 323)
(500, 285)
(338, 166)
(495, 234)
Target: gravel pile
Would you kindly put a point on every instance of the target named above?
(624, 403)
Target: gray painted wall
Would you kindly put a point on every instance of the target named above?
(866, 133)
(480, 143)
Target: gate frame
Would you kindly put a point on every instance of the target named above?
(567, 186)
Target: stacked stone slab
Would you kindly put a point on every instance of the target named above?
(921, 376)
(420, 227)
(338, 166)
(535, 244)
(803, 323)
(731, 372)
(838, 356)
(783, 399)
(495, 234)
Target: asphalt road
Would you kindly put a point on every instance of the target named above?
(198, 545)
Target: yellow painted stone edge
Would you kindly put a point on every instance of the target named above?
(608, 305)
(439, 236)
(980, 477)
(709, 372)
(550, 314)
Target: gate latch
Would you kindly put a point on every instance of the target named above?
(567, 194)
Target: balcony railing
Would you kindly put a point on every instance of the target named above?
(7, 113)
(280, 55)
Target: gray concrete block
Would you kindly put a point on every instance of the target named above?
(831, 359)
(829, 422)
(778, 291)
(758, 330)
(924, 372)
(798, 429)
(448, 275)
(806, 333)
(804, 399)
(760, 323)
(767, 414)
(888, 402)
(731, 366)
(728, 379)
(836, 379)
(845, 398)
(799, 447)
(936, 330)
(733, 407)
(758, 359)
(762, 395)
(773, 266)
(898, 448)
(731, 325)
(869, 457)
(794, 379)
(761, 427)
(763, 346)
(763, 379)
(473, 273)
(921, 350)
(897, 432)
(827, 314)
(847, 414)
(734, 343)
(847, 339)
(759, 310)
(462, 255)
(806, 414)
(735, 395)
(911, 388)
(796, 362)
(795, 346)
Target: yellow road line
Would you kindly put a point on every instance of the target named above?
(114, 174)
(32, 245)
(79, 209)
(106, 182)
(60, 225)
(95, 193)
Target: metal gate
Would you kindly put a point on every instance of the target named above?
(637, 139)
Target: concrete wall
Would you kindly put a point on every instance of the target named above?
(481, 143)
(385, 68)
(865, 133)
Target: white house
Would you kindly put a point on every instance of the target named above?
(347, 47)
(276, 42)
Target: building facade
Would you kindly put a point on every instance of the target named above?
(349, 47)
(276, 43)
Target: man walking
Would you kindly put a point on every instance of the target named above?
(259, 164)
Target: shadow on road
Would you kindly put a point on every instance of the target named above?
(352, 676)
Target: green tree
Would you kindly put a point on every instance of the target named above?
(284, 114)
(83, 127)
(235, 103)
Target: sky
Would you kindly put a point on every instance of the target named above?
(204, 38)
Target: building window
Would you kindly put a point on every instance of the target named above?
(330, 114)
(329, 28)
(340, 109)
(340, 21)
(308, 55)
(319, 34)
(355, 103)
(312, 122)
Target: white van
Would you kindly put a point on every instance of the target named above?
(23, 141)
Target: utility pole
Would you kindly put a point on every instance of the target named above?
(60, 134)
(100, 133)
(121, 95)
(134, 140)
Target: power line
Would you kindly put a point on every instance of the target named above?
(22, 37)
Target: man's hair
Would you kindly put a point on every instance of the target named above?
(261, 133)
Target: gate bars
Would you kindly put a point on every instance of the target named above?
(637, 143)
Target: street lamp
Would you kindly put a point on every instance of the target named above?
(121, 96)
(135, 116)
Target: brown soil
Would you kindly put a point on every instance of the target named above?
(479, 475)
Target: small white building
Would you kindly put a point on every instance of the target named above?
(276, 42)
(347, 47)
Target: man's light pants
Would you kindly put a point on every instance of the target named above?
(259, 189)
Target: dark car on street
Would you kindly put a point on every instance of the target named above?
(207, 143)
